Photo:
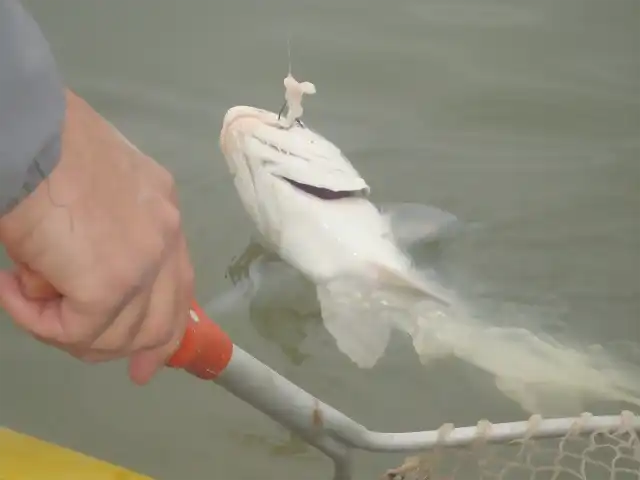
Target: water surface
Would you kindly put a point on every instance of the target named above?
(523, 117)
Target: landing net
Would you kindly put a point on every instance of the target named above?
(586, 448)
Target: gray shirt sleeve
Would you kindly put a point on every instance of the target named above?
(32, 106)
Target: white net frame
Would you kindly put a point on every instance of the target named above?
(584, 448)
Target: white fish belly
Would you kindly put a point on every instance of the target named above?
(324, 238)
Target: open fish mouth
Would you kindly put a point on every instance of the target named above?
(322, 193)
(325, 193)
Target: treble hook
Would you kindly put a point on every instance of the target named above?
(284, 105)
(297, 120)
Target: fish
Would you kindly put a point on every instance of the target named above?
(313, 208)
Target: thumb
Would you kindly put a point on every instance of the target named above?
(33, 285)
(39, 317)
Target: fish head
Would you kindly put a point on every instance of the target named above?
(279, 168)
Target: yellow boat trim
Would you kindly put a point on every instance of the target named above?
(27, 458)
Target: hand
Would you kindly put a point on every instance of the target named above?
(104, 231)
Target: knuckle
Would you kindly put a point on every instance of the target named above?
(189, 277)
(106, 285)
(161, 334)
(172, 219)
(166, 181)
(120, 278)
(89, 291)
(167, 332)
(156, 331)
(104, 303)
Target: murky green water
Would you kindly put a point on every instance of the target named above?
(521, 116)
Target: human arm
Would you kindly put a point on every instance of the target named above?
(103, 227)
(32, 106)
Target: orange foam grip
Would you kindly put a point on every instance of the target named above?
(205, 350)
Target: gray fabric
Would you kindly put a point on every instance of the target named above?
(32, 106)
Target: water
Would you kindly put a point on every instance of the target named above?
(520, 116)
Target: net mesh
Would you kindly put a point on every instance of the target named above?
(602, 454)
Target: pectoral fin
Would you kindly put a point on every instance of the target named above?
(359, 333)
(413, 223)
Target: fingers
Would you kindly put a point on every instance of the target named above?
(113, 339)
(144, 364)
(168, 317)
(117, 304)
(151, 326)
(34, 286)
(41, 318)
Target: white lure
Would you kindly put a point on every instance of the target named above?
(311, 207)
